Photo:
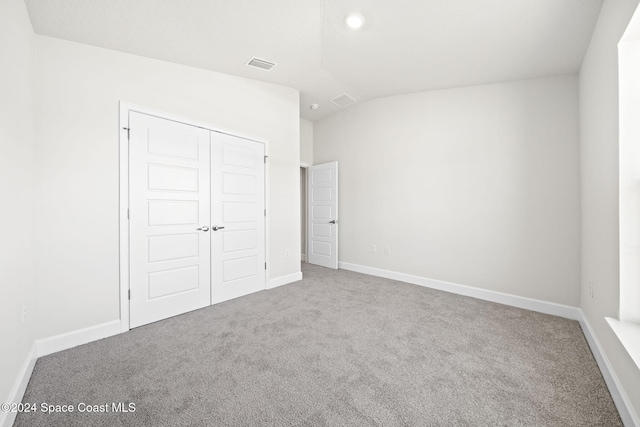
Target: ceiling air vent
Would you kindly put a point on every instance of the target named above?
(261, 63)
(343, 100)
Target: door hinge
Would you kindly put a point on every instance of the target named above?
(128, 214)
(265, 212)
(128, 132)
(265, 159)
(129, 294)
(265, 265)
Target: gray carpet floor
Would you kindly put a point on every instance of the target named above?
(335, 349)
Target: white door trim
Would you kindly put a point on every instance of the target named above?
(123, 146)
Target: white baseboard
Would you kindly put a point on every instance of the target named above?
(48, 346)
(75, 338)
(20, 386)
(283, 280)
(540, 306)
(622, 402)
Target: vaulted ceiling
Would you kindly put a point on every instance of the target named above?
(404, 46)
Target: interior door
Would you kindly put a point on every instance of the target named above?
(323, 215)
(169, 168)
(237, 217)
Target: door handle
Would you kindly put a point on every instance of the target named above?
(333, 221)
(203, 228)
(216, 228)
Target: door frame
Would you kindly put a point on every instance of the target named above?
(123, 204)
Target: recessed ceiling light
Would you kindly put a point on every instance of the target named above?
(354, 20)
(314, 106)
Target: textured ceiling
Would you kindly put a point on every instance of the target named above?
(405, 45)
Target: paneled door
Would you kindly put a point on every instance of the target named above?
(169, 167)
(323, 215)
(237, 217)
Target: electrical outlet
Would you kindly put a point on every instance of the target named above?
(374, 249)
(286, 253)
(591, 289)
(387, 250)
(24, 312)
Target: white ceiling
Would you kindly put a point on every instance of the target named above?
(405, 45)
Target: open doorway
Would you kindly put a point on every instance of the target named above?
(303, 213)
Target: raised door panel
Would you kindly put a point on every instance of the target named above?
(237, 203)
(323, 215)
(169, 201)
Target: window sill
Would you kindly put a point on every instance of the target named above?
(629, 336)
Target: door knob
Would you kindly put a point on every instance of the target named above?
(216, 228)
(204, 228)
(333, 221)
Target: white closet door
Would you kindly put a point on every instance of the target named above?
(169, 218)
(323, 215)
(237, 217)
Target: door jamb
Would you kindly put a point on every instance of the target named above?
(123, 208)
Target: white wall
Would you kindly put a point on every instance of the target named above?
(306, 142)
(477, 186)
(306, 158)
(17, 138)
(77, 160)
(599, 151)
